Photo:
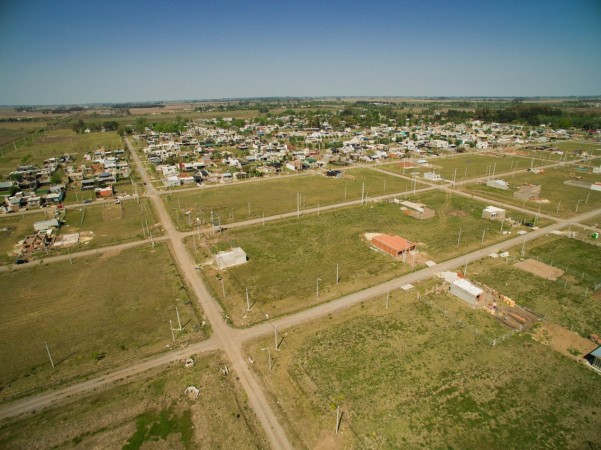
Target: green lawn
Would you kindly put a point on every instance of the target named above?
(412, 377)
(249, 200)
(150, 412)
(91, 315)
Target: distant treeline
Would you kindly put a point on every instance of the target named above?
(138, 105)
(110, 125)
(539, 114)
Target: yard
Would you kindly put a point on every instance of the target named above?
(421, 376)
(150, 412)
(570, 300)
(286, 258)
(251, 200)
(91, 314)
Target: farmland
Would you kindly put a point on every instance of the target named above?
(287, 257)
(92, 319)
(148, 412)
(413, 376)
(247, 200)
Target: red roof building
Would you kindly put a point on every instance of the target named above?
(393, 245)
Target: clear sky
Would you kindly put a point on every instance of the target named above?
(81, 51)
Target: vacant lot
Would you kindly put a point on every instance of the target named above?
(151, 412)
(569, 199)
(411, 377)
(467, 166)
(269, 197)
(112, 223)
(99, 225)
(286, 258)
(56, 143)
(93, 314)
(15, 130)
(569, 301)
(13, 228)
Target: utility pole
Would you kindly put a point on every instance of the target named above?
(337, 418)
(363, 194)
(317, 293)
(459, 237)
(268, 355)
(247, 301)
(223, 287)
(483, 231)
(387, 298)
(179, 322)
(171, 327)
(49, 355)
(337, 277)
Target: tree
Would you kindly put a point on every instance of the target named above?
(56, 178)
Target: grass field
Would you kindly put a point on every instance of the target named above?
(56, 143)
(467, 166)
(287, 257)
(112, 223)
(151, 412)
(570, 300)
(109, 224)
(92, 314)
(13, 228)
(16, 130)
(572, 146)
(553, 189)
(411, 377)
(250, 200)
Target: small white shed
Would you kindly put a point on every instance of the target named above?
(233, 257)
(466, 291)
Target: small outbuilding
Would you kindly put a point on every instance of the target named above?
(466, 291)
(45, 225)
(493, 213)
(393, 245)
(234, 257)
(498, 184)
(594, 358)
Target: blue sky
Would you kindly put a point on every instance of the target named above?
(64, 51)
